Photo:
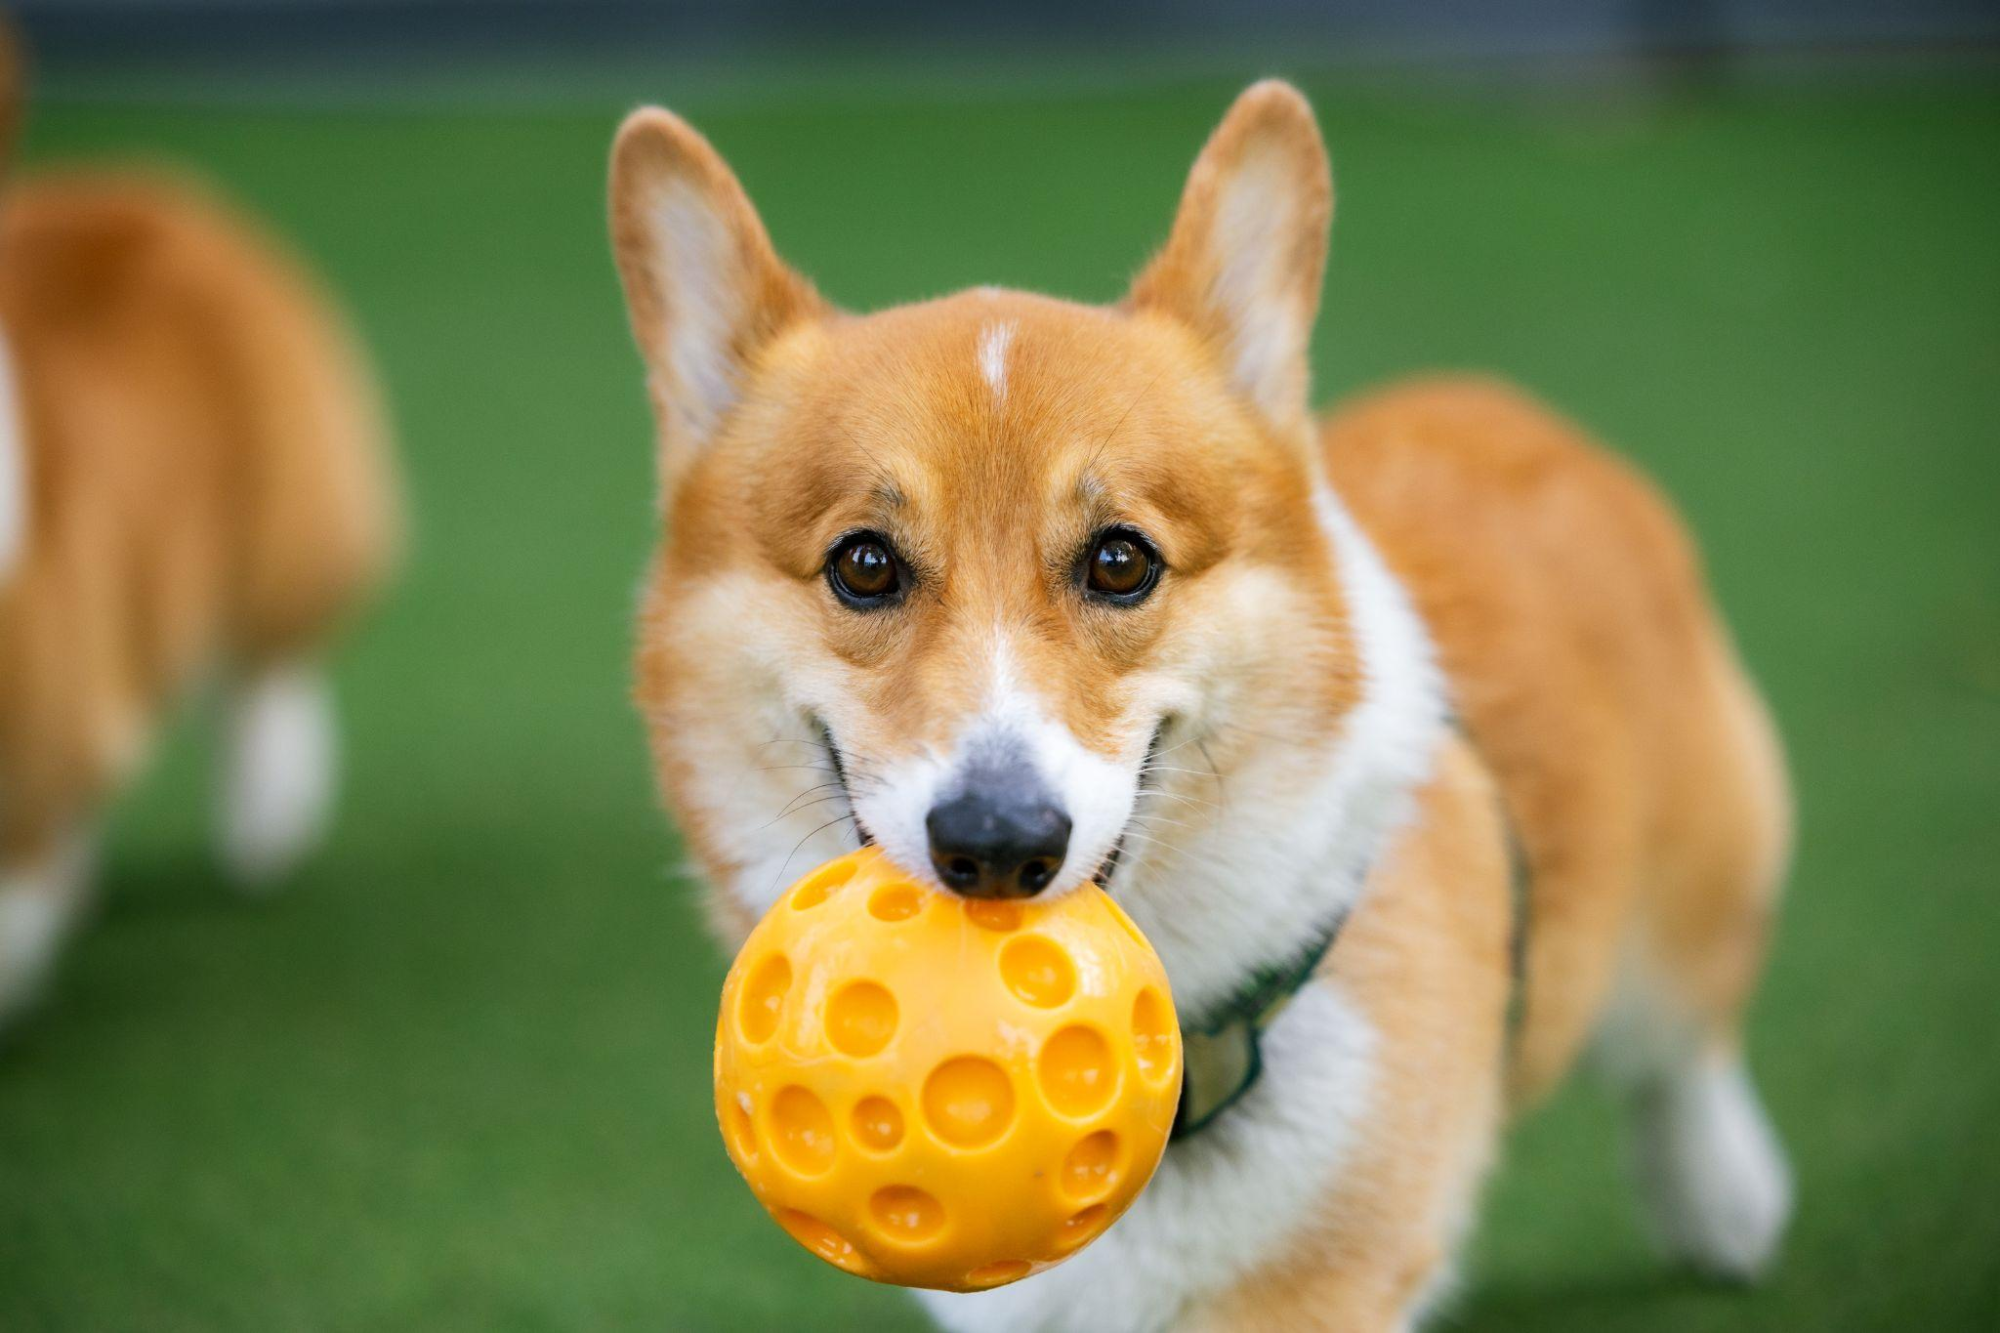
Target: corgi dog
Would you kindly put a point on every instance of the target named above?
(1421, 707)
(194, 486)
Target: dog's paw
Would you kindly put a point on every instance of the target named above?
(37, 910)
(279, 781)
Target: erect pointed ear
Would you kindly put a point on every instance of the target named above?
(1243, 264)
(703, 286)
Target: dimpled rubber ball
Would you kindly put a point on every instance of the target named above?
(942, 1092)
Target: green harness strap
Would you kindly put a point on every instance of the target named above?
(1222, 1059)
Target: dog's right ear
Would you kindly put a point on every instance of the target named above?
(703, 286)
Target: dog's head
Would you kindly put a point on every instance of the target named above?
(1020, 589)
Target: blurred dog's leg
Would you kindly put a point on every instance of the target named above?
(40, 899)
(278, 783)
(1711, 1173)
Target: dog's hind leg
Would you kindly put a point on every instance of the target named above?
(41, 896)
(279, 757)
(1710, 1169)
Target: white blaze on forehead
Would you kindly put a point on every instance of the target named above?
(13, 470)
(994, 340)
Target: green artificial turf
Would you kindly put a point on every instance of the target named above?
(456, 1077)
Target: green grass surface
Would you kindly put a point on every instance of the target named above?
(456, 1076)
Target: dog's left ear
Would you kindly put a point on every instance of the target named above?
(705, 290)
(1244, 262)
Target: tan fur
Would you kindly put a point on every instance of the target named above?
(1610, 726)
(206, 469)
(1634, 757)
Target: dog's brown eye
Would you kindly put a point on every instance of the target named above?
(863, 571)
(1122, 566)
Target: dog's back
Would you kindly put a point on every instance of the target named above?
(1636, 762)
(1591, 671)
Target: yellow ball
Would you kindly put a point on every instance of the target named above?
(940, 1092)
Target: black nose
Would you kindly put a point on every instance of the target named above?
(998, 841)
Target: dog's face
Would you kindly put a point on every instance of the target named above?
(1010, 585)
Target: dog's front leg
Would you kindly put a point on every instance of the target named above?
(1424, 961)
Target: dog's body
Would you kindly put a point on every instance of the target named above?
(1366, 662)
(193, 483)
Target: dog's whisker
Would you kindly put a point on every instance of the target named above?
(830, 787)
(779, 819)
(1177, 745)
(1172, 794)
(787, 740)
(785, 865)
(1221, 786)
(1186, 797)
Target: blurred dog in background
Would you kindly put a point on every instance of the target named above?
(194, 485)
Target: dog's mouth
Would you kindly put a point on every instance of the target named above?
(1109, 866)
(834, 757)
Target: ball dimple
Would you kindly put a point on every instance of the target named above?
(878, 1125)
(1091, 1169)
(995, 913)
(860, 1018)
(906, 1214)
(968, 1101)
(1080, 1227)
(823, 1240)
(763, 999)
(821, 884)
(802, 1131)
(1077, 1072)
(1037, 970)
(1152, 1036)
(998, 1274)
(896, 902)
